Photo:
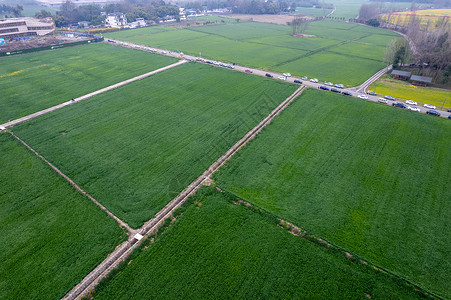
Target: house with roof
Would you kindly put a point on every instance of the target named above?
(116, 20)
(420, 80)
(401, 75)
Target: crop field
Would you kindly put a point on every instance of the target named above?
(403, 90)
(426, 19)
(32, 82)
(366, 176)
(349, 9)
(135, 148)
(219, 250)
(50, 235)
(314, 12)
(346, 46)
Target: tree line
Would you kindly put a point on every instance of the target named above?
(15, 11)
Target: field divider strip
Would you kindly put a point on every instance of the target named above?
(121, 253)
(87, 96)
(76, 186)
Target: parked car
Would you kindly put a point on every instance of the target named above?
(335, 90)
(364, 97)
(449, 117)
(399, 104)
(269, 75)
(433, 113)
(412, 108)
(209, 62)
(340, 86)
(248, 71)
(198, 59)
(346, 93)
(304, 78)
(329, 83)
(297, 81)
(410, 102)
(371, 93)
(429, 106)
(314, 80)
(323, 87)
(390, 98)
(230, 67)
(287, 74)
(282, 78)
(382, 100)
(449, 109)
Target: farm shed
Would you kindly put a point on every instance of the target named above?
(402, 75)
(420, 80)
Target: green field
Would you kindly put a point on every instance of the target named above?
(32, 82)
(368, 177)
(218, 250)
(348, 47)
(50, 235)
(310, 11)
(135, 148)
(403, 90)
(349, 9)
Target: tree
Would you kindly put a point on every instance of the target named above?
(299, 25)
(373, 22)
(43, 14)
(397, 53)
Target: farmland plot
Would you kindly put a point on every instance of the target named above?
(35, 81)
(366, 176)
(218, 250)
(135, 148)
(50, 235)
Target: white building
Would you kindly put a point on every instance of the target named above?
(23, 27)
(140, 22)
(116, 20)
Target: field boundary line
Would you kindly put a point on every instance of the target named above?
(76, 186)
(121, 253)
(87, 96)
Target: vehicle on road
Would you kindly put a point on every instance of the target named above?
(449, 109)
(329, 83)
(410, 102)
(269, 75)
(282, 78)
(297, 81)
(382, 100)
(335, 90)
(340, 86)
(304, 78)
(390, 98)
(346, 93)
(323, 87)
(399, 104)
(429, 106)
(412, 108)
(287, 74)
(248, 71)
(198, 59)
(209, 62)
(449, 117)
(371, 93)
(433, 113)
(314, 80)
(230, 67)
(364, 97)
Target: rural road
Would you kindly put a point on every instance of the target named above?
(355, 91)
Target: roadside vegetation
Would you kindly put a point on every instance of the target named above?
(36, 81)
(50, 235)
(137, 147)
(319, 56)
(368, 177)
(220, 250)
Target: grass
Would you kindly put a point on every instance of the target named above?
(262, 45)
(403, 90)
(50, 235)
(135, 148)
(366, 176)
(310, 11)
(32, 82)
(219, 250)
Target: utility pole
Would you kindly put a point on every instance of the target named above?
(443, 104)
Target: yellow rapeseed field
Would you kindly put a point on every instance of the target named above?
(427, 19)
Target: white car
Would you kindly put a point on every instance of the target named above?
(314, 80)
(287, 74)
(364, 97)
(382, 100)
(413, 108)
(429, 106)
(410, 102)
(282, 78)
(329, 83)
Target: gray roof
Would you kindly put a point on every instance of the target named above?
(421, 78)
(401, 73)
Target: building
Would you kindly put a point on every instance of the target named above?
(24, 27)
(116, 20)
(140, 22)
(402, 75)
(420, 80)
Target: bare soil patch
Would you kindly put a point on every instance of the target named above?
(301, 35)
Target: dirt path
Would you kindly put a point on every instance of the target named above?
(120, 254)
(87, 96)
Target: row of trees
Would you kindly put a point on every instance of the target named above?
(16, 11)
